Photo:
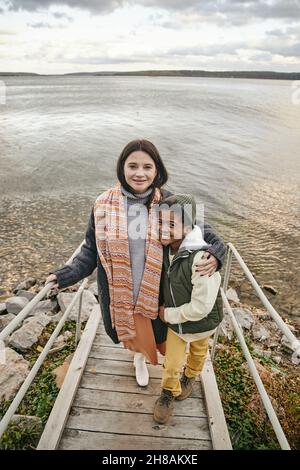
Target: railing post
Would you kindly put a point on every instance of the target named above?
(213, 348)
(78, 322)
(225, 286)
(227, 269)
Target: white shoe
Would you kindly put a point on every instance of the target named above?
(141, 371)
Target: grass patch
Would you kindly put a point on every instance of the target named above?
(247, 421)
(42, 393)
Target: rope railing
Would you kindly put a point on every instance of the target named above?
(294, 342)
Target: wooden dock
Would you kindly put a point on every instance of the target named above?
(100, 405)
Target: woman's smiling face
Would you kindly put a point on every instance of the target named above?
(139, 171)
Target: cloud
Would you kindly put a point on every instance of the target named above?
(285, 50)
(40, 24)
(289, 51)
(235, 11)
(282, 41)
(101, 60)
(291, 32)
(54, 21)
(59, 15)
(99, 6)
(241, 8)
(207, 51)
(260, 50)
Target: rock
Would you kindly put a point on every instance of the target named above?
(277, 359)
(273, 344)
(56, 317)
(29, 333)
(59, 342)
(25, 285)
(25, 293)
(12, 374)
(286, 346)
(260, 333)
(232, 295)
(292, 328)
(244, 317)
(270, 289)
(27, 423)
(295, 359)
(226, 328)
(5, 320)
(3, 310)
(94, 289)
(60, 372)
(259, 351)
(285, 343)
(67, 335)
(44, 306)
(88, 303)
(52, 294)
(265, 317)
(16, 304)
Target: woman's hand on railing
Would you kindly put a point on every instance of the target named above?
(52, 278)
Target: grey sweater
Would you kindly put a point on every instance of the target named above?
(137, 222)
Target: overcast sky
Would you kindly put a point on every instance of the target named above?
(99, 35)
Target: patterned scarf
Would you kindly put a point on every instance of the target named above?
(113, 249)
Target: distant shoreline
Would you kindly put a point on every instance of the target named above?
(172, 73)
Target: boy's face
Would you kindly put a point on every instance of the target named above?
(171, 228)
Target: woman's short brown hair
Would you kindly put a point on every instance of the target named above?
(145, 146)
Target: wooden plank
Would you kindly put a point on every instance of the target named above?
(132, 402)
(59, 414)
(106, 352)
(105, 340)
(85, 440)
(217, 423)
(119, 368)
(119, 422)
(120, 354)
(107, 382)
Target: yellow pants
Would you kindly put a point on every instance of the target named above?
(175, 359)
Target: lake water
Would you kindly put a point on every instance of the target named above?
(233, 143)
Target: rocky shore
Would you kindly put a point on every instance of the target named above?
(29, 332)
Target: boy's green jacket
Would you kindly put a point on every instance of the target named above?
(176, 290)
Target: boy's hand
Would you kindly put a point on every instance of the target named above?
(207, 265)
(161, 313)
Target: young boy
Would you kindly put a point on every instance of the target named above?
(192, 306)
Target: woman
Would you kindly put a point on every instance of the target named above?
(121, 241)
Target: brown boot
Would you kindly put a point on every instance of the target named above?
(164, 407)
(186, 387)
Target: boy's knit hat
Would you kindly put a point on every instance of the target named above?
(186, 202)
